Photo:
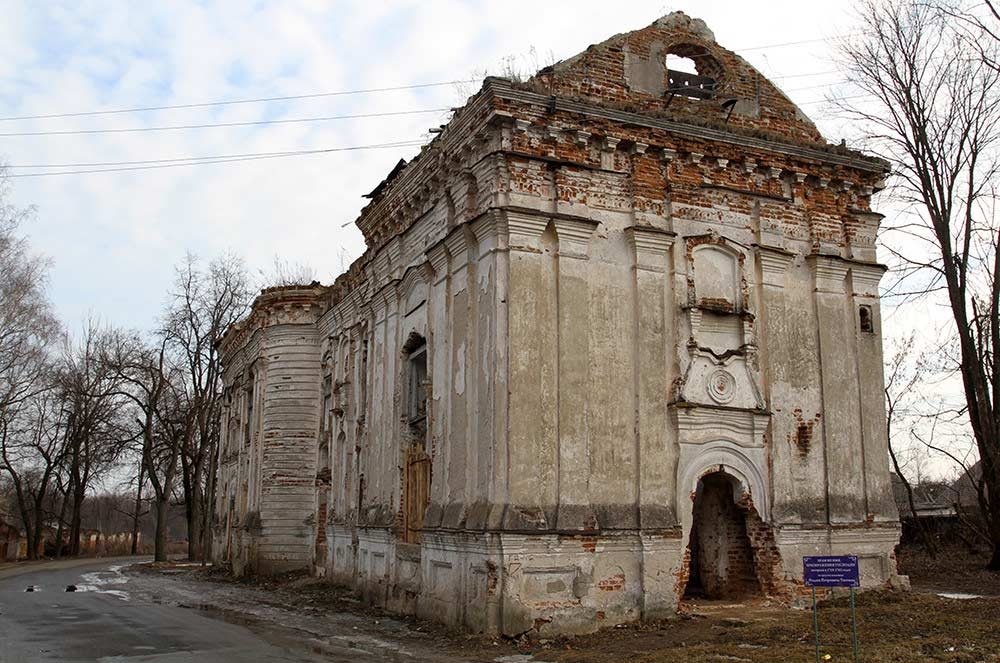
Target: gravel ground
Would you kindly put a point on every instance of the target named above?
(912, 627)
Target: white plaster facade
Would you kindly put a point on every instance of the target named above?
(610, 305)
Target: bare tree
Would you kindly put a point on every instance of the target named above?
(205, 302)
(932, 109)
(32, 453)
(28, 330)
(155, 390)
(97, 432)
(904, 372)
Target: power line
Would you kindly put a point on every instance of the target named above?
(792, 43)
(205, 104)
(95, 164)
(223, 124)
(198, 161)
(316, 95)
(823, 101)
(817, 73)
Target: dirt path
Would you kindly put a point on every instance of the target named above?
(9, 570)
(910, 627)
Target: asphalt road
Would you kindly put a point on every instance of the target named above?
(106, 620)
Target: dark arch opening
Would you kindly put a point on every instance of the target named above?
(722, 563)
(692, 72)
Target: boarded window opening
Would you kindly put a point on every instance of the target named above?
(248, 424)
(865, 319)
(417, 480)
(722, 563)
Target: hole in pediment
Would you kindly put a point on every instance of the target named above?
(681, 65)
(692, 72)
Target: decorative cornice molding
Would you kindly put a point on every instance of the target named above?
(503, 89)
(525, 228)
(865, 279)
(651, 247)
(774, 264)
(829, 273)
(574, 236)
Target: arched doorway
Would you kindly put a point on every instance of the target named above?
(722, 562)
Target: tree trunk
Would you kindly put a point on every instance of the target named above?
(188, 500)
(209, 509)
(31, 534)
(195, 533)
(160, 541)
(138, 509)
(994, 529)
(76, 522)
(60, 526)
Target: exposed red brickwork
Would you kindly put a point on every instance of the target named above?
(732, 551)
(722, 560)
(612, 584)
(766, 558)
(606, 77)
(321, 522)
(802, 437)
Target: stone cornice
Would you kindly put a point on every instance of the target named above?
(525, 227)
(437, 256)
(574, 235)
(486, 228)
(504, 90)
(652, 247)
(829, 273)
(774, 262)
(866, 277)
(458, 243)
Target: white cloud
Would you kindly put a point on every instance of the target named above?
(115, 237)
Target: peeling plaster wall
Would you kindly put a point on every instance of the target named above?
(614, 305)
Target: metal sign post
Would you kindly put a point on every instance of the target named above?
(832, 571)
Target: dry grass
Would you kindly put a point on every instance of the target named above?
(891, 627)
(909, 627)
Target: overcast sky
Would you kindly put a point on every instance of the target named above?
(114, 237)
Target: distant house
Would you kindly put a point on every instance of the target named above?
(964, 487)
(10, 542)
(934, 499)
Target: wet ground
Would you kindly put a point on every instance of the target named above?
(891, 627)
(180, 612)
(89, 610)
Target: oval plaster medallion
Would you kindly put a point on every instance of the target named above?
(721, 387)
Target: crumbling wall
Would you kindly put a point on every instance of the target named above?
(722, 558)
(621, 291)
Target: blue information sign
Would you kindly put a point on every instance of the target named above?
(831, 571)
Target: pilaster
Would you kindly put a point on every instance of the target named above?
(573, 236)
(655, 366)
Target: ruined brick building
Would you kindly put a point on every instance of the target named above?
(614, 341)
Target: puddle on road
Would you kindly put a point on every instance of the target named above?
(99, 582)
(959, 595)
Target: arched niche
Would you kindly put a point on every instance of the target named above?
(717, 277)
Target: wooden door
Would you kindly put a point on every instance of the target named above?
(418, 492)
